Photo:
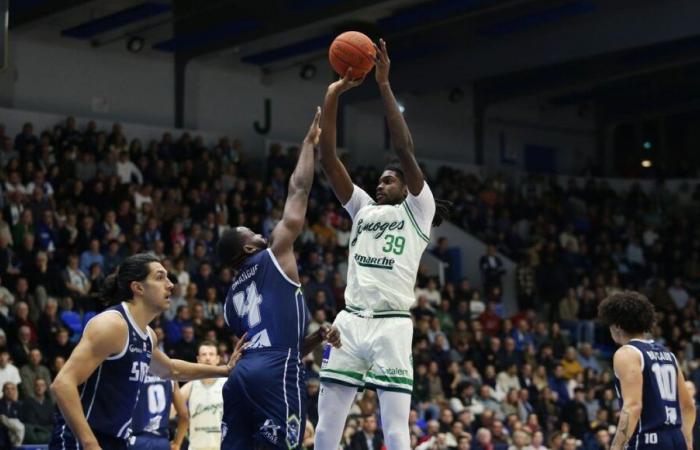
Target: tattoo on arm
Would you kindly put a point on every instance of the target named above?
(622, 435)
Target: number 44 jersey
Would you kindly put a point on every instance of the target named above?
(264, 302)
(660, 403)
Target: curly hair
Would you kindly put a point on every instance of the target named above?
(629, 310)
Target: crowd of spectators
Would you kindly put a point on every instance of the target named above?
(76, 200)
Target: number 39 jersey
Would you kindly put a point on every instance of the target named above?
(660, 403)
(266, 304)
(386, 246)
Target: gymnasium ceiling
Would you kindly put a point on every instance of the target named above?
(571, 51)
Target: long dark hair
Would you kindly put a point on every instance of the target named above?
(442, 207)
(117, 287)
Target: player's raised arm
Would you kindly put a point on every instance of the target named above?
(294, 215)
(687, 409)
(104, 336)
(401, 139)
(332, 166)
(628, 368)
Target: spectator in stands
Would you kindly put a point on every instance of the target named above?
(8, 371)
(557, 382)
(575, 414)
(186, 347)
(577, 236)
(75, 280)
(21, 347)
(678, 293)
(6, 300)
(484, 441)
(91, 256)
(601, 440)
(8, 152)
(368, 438)
(37, 414)
(11, 426)
(32, 371)
(26, 137)
(127, 170)
(587, 359)
(44, 278)
(492, 269)
(61, 345)
(571, 366)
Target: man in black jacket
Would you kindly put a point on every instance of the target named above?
(37, 415)
(491, 268)
(369, 438)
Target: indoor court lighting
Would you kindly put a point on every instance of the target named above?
(456, 95)
(646, 163)
(308, 71)
(135, 44)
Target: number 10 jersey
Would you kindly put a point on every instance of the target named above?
(660, 403)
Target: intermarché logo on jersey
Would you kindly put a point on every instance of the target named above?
(375, 262)
(378, 228)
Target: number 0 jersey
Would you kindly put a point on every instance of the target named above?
(152, 411)
(266, 304)
(386, 246)
(660, 403)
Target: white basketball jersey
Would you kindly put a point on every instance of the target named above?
(386, 246)
(206, 407)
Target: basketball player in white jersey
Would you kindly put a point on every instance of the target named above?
(387, 241)
(205, 403)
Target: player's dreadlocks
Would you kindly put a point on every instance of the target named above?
(442, 207)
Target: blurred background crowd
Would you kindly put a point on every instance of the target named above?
(76, 200)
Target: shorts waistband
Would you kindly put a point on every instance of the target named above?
(380, 314)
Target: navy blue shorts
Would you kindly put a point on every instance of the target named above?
(148, 441)
(659, 440)
(62, 439)
(264, 402)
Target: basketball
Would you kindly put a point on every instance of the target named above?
(352, 49)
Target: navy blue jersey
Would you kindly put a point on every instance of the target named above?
(152, 411)
(660, 404)
(264, 302)
(109, 395)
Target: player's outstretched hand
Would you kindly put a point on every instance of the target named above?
(314, 130)
(345, 83)
(332, 335)
(381, 63)
(237, 352)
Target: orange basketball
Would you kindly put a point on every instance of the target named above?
(352, 49)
